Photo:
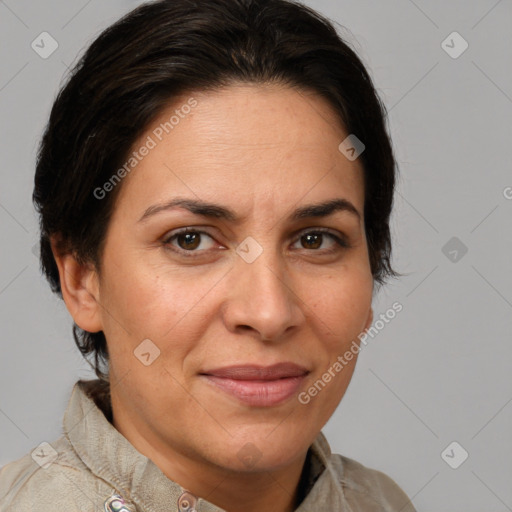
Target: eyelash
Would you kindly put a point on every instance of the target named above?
(341, 242)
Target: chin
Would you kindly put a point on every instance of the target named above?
(250, 459)
(260, 451)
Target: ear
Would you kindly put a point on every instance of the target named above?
(369, 320)
(80, 290)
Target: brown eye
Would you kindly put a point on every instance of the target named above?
(189, 242)
(313, 240)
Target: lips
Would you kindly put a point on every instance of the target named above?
(258, 386)
(254, 372)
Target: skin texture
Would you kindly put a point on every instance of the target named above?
(262, 151)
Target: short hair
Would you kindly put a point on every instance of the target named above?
(164, 48)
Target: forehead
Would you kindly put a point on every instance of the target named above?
(269, 142)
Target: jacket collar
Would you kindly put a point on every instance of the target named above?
(111, 457)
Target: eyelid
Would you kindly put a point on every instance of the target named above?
(190, 229)
(339, 238)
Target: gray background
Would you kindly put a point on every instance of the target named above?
(440, 371)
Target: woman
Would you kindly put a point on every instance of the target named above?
(214, 188)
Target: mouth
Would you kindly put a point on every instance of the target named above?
(258, 386)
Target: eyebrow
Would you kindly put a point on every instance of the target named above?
(217, 211)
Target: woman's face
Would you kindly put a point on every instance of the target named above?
(194, 321)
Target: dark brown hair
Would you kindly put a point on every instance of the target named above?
(165, 48)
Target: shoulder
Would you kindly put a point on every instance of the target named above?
(51, 477)
(375, 487)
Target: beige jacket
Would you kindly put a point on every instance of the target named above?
(93, 468)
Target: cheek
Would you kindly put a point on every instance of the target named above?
(152, 302)
(149, 301)
(343, 307)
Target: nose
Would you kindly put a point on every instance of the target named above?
(261, 299)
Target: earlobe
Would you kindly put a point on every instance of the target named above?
(80, 290)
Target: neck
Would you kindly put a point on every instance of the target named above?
(253, 492)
